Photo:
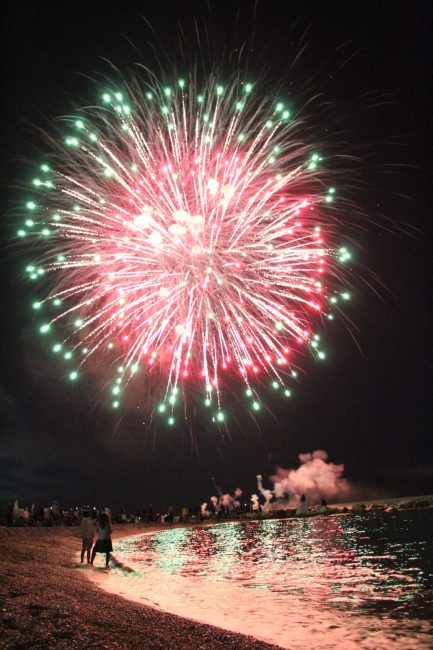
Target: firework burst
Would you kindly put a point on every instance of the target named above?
(187, 240)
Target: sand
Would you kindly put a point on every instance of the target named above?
(46, 601)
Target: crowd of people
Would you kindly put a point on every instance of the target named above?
(55, 515)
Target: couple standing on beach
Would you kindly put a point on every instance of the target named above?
(103, 543)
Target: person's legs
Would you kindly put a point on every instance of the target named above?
(83, 548)
(89, 548)
(93, 554)
(107, 559)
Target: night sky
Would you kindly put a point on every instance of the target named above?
(369, 405)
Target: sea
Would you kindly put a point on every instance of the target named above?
(337, 581)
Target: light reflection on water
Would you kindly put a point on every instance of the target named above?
(377, 564)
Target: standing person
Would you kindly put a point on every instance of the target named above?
(47, 519)
(169, 517)
(56, 511)
(87, 534)
(103, 543)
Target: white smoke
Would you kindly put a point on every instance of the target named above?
(315, 477)
(268, 494)
(227, 500)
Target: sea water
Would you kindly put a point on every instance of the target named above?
(341, 581)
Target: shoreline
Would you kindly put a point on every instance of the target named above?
(48, 602)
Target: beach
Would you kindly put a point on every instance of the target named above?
(48, 602)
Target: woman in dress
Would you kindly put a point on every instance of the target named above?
(103, 543)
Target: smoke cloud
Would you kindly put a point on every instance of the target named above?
(227, 500)
(315, 477)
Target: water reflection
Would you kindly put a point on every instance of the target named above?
(346, 581)
(377, 562)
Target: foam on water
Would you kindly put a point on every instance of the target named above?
(328, 582)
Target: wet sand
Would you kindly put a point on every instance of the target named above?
(46, 601)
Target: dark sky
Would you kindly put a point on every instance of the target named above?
(369, 406)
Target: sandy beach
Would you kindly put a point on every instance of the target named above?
(47, 601)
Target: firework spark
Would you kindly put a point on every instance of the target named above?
(187, 237)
